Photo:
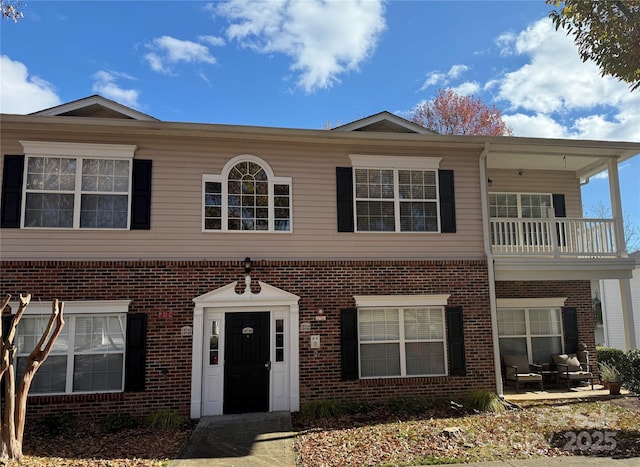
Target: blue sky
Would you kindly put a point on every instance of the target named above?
(312, 63)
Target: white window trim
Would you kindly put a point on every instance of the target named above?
(396, 163)
(552, 302)
(400, 302)
(362, 161)
(222, 179)
(76, 307)
(85, 308)
(85, 150)
(80, 152)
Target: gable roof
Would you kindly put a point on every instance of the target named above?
(94, 106)
(385, 122)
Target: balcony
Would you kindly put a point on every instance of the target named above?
(554, 238)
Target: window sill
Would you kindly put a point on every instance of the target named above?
(403, 380)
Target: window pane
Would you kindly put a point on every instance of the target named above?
(425, 358)
(543, 347)
(418, 217)
(513, 345)
(30, 330)
(98, 372)
(104, 211)
(380, 360)
(423, 323)
(50, 377)
(49, 210)
(103, 333)
(379, 325)
(511, 323)
(544, 321)
(375, 216)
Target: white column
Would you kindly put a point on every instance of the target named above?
(625, 285)
(196, 362)
(616, 207)
(627, 314)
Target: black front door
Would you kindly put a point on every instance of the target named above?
(246, 362)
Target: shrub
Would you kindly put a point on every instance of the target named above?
(611, 356)
(631, 372)
(63, 423)
(113, 423)
(164, 419)
(484, 401)
(321, 409)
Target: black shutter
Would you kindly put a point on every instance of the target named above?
(455, 341)
(558, 205)
(349, 343)
(12, 174)
(141, 195)
(344, 188)
(447, 201)
(570, 324)
(136, 352)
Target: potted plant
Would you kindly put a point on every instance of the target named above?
(610, 375)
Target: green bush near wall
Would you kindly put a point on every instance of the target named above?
(611, 356)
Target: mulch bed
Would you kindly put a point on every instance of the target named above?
(87, 445)
(552, 429)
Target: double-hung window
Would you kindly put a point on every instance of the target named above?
(520, 205)
(77, 186)
(535, 331)
(404, 340)
(89, 354)
(396, 194)
(247, 196)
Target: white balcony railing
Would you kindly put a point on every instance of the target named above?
(557, 237)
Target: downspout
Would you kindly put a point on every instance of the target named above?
(486, 228)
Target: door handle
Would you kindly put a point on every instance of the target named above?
(268, 365)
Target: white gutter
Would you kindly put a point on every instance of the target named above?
(486, 228)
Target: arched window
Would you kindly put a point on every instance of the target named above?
(246, 197)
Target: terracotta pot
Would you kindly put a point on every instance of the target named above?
(614, 388)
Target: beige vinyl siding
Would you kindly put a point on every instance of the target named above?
(176, 207)
(540, 181)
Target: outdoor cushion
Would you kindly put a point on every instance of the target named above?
(571, 360)
(520, 361)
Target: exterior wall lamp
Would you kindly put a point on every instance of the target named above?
(247, 263)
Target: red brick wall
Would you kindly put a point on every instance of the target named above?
(578, 295)
(160, 286)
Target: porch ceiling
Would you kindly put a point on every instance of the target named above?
(585, 158)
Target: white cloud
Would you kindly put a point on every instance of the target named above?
(21, 93)
(468, 88)
(212, 40)
(323, 38)
(105, 85)
(167, 51)
(556, 94)
(442, 79)
(538, 125)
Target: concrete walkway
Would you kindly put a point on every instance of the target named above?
(244, 440)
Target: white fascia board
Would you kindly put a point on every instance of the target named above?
(366, 301)
(104, 151)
